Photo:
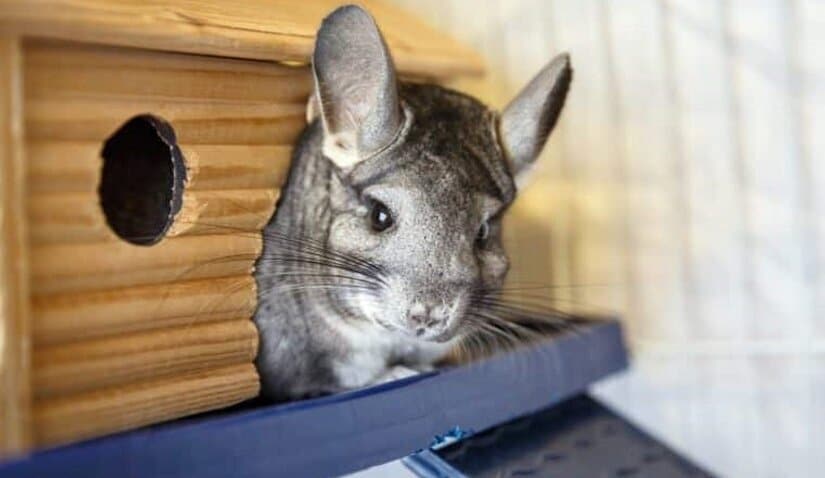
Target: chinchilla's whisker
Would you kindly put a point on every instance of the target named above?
(238, 285)
(513, 294)
(521, 297)
(326, 272)
(207, 306)
(536, 304)
(535, 324)
(328, 256)
(487, 323)
(523, 286)
(303, 242)
(313, 258)
(311, 254)
(518, 311)
(471, 346)
(316, 261)
(313, 287)
(517, 308)
(183, 275)
(514, 316)
(484, 338)
(291, 279)
(318, 286)
(296, 244)
(495, 322)
(511, 337)
(293, 274)
(546, 303)
(535, 295)
(507, 337)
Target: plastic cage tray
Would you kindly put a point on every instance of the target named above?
(579, 437)
(349, 431)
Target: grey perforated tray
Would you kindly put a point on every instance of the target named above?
(577, 438)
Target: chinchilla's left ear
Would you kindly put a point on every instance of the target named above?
(527, 121)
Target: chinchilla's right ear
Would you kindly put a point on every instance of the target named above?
(529, 118)
(356, 93)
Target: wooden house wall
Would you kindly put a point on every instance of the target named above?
(125, 335)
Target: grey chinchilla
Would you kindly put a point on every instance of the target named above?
(385, 249)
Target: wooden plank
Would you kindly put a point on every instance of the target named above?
(69, 70)
(278, 30)
(194, 123)
(14, 274)
(211, 166)
(224, 212)
(77, 217)
(68, 55)
(96, 364)
(66, 318)
(120, 408)
(74, 166)
(82, 267)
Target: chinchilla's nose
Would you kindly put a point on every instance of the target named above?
(423, 316)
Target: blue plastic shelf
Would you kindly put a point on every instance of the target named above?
(349, 431)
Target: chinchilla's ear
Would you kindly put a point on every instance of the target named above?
(356, 93)
(527, 121)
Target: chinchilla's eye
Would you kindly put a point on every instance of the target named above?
(380, 217)
(483, 233)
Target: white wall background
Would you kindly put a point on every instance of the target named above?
(684, 188)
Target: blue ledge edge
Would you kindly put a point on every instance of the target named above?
(348, 431)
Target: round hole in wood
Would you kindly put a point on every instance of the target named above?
(141, 186)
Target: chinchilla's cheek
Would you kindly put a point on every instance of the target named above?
(348, 233)
(494, 267)
(395, 299)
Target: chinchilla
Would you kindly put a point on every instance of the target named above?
(386, 247)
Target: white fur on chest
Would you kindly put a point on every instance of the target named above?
(373, 349)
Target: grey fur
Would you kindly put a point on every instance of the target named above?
(341, 305)
(355, 85)
(530, 116)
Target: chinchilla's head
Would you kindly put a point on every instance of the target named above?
(423, 176)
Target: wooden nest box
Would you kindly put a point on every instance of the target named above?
(142, 147)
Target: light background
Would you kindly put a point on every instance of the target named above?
(685, 189)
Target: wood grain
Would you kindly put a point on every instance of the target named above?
(194, 123)
(109, 315)
(63, 318)
(120, 408)
(95, 364)
(61, 268)
(61, 70)
(74, 166)
(278, 30)
(82, 93)
(244, 211)
(15, 346)
(78, 217)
